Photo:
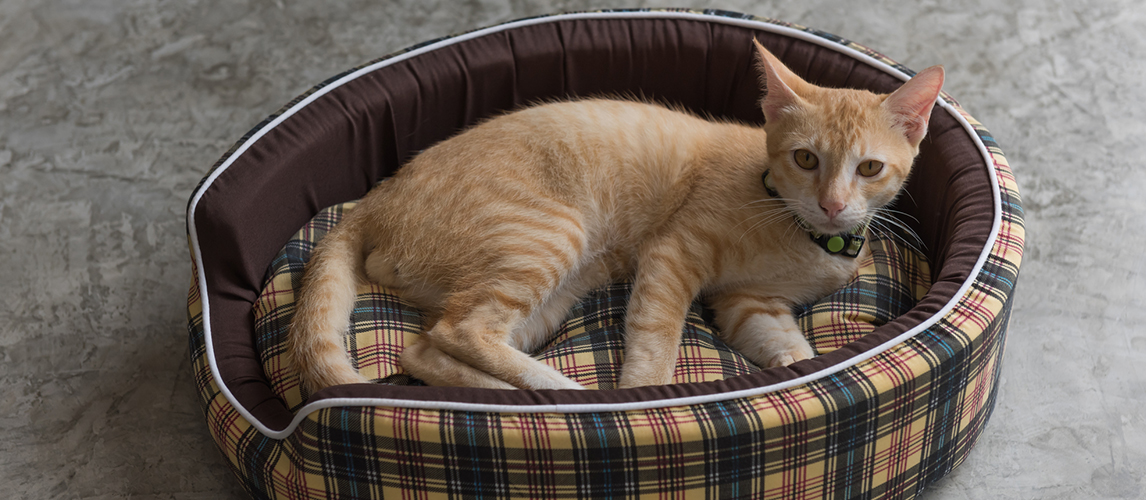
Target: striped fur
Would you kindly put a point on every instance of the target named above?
(495, 233)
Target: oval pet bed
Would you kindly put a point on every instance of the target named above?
(908, 353)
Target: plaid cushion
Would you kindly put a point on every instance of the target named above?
(587, 347)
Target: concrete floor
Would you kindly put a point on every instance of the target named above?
(111, 111)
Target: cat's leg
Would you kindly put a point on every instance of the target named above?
(435, 367)
(422, 359)
(497, 309)
(543, 321)
(428, 363)
(667, 280)
(471, 343)
(761, 328)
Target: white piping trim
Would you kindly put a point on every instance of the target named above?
(578, 408)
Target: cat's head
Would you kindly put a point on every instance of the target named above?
(836, 155)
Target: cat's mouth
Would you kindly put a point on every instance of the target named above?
(830, 227)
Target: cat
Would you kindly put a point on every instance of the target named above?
(494, 234)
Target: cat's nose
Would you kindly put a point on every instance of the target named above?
(832, 208)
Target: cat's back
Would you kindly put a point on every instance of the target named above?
(583, 137)
(593, 154)
(600, 174)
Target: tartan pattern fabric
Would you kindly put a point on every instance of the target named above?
(587, 347)
(883, 428)
(381, 324)
(889, 283)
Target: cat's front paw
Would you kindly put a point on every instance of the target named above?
(791, 355)
(643, 374)
(316, 380)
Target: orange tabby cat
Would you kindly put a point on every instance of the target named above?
(496, 233)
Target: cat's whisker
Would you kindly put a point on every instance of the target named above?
(794, 229)
(877, 230)
(767, 200)
(753, 227)
(897, 242)
(766, 218)
(912, 198)
(896, 213)
(891, 216)
(760, 202)
(769, 211)
(886, 225)
(887, 218)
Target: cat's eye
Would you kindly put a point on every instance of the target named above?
(805, 159)
(870, 168)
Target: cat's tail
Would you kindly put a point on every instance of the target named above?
(322, 311)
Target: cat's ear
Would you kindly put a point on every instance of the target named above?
(779, 83)
(911, 104)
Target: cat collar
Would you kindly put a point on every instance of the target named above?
(847, 243)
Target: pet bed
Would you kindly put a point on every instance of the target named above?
(909, 352)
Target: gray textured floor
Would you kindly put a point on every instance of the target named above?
(111, 110)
